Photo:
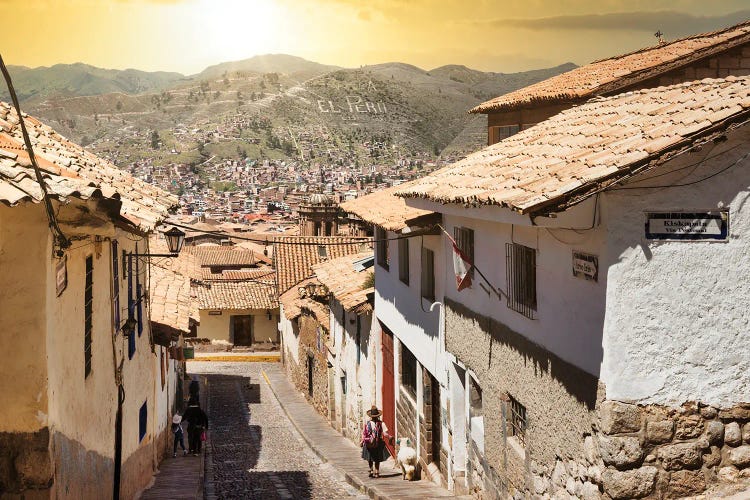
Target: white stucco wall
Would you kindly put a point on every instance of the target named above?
(289, 341)
(405, 313)
(570, 310)
(359, 373)
(677, 324)
(24, 245)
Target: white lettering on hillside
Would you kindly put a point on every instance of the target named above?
(354, 104)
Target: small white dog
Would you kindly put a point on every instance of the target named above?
(407, 458)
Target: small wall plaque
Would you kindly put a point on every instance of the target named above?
(585, 266)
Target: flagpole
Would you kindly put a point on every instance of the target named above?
(497, 291)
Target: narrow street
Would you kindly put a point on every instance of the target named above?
(254, 452)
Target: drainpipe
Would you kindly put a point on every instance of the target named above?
(118, 443)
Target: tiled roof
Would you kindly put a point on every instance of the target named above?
(71, 171)
(295, 255)
(238, 275)
(172, 302)
(609, 75)
(569, 155)
(218, 256)
(294, 304)
(383, 208)
(237, 295)
(346, 283)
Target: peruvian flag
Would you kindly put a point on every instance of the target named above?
(461, 266)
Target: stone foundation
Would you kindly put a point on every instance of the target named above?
(25, 462)
(653, 452)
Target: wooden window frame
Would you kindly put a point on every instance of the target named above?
(408, 371)
(403, 261)
(428, 274)
(381, 238)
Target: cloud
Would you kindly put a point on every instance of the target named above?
(672, 23)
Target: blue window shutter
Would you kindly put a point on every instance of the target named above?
(142, 421)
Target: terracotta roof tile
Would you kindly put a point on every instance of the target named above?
(172, 302)
(383, 208)
(227, 256)
(294, 256)
(345, 282)
(71, 171)
(296, 303)
(609, 75)
(544, 164)
(252, 294)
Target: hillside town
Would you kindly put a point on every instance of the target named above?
(559, 314)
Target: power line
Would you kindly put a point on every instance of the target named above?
(60, 239)
(353, 240)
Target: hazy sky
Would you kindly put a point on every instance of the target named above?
(497, 35)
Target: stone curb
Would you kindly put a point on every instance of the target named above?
(371, 491)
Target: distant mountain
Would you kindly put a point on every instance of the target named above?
(82, 79)
(275, 106)
(269, 63)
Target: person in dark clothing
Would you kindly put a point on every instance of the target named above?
(197, 422)
(194, 390)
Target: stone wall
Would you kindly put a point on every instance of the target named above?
(560, 402)
(312, 347)
(25, 462)
(662, 452)
(406, 416)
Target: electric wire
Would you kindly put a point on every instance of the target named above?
(60, 239)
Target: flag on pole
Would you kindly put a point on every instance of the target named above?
(461, 267)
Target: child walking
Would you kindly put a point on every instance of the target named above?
(179, 436)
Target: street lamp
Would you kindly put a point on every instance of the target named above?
(175, 239)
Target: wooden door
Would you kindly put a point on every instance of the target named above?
(242, 330)
(389, 395)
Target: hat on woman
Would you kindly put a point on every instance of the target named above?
(176, 419)
(373, 412)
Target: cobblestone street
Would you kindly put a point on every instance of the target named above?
(254, 452)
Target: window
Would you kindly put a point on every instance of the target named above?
(517, 419)
(322, 252)
(428, 274)
(497, 134)
(142, 421)
(403, 261)
(343, 384)
(88, 308)
(464, 238)
(408, 371)
(359, 340)
(382, 247)
(521, 272)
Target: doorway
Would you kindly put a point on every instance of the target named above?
(242, 330)
(389, 395)
(436, 423)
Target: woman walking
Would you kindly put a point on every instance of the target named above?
(197, 423)
(374, 434)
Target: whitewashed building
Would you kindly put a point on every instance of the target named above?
(411, 370)
(350, 350)
(84, 409)
(605, 329)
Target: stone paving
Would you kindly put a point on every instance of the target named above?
(253, 451)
